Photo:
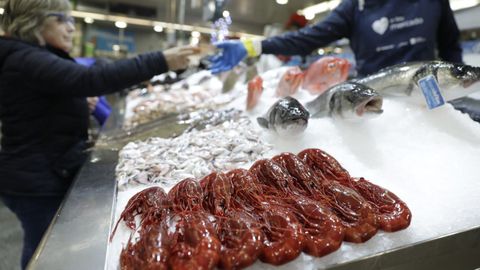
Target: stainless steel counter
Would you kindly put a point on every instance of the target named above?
(78, 236)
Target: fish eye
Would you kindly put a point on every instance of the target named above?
(459, 71)
(331, 65)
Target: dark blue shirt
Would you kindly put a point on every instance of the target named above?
(381, 33)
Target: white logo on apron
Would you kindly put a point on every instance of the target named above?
(380, 25)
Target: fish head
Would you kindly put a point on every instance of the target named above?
(331, 67)
(255, 89)
(457, 80)
(325, 72)
(290, 81)
(292, 127)
(255, 84)
(288, 117)
(294, 74)
(468, 75)
(356, 101)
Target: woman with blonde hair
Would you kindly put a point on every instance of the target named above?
(43, 107)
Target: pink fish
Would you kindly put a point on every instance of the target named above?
(290, 81)
(324, 73)
(255, 89)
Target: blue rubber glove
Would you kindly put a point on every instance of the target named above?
(233, 52)
(102, 111)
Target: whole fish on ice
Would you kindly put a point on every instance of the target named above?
(255, 89)
(290, 82)
(454, 80)
(347, 100)
(324, 73)
(286, 116)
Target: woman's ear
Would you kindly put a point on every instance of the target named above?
(40, 38)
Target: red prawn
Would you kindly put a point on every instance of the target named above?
(152, 248)
(217, 190)
(356, 214)
(151, 251)
(324, 164)
(240, 235)
(323, 230)
(186, 195)
(284, 233)
(152, 198)
(392, 213)
(194, 244)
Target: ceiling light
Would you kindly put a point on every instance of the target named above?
(2, 11)
(195, 34)
(309, 16)
(158, 28)
(150, 23)
(194, 41)
(211, 6)
(282, 2)
(226, 13)
(88, 20)
(462, 4)
(120, 24)
(320, 8)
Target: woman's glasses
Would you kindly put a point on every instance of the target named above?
(62, 17)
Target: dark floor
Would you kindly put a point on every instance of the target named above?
(10, 240)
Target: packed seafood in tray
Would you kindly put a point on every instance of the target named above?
(219, 147)
(274, 211)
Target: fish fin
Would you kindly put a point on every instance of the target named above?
(316, 110)
(263, 122)
(319, 114)
(410, 87)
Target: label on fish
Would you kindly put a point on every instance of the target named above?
(431, 91)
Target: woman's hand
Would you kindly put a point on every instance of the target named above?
(92, 103)
(177, 57)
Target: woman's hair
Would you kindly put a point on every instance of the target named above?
(23, 19)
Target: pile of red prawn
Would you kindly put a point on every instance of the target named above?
(272, 212)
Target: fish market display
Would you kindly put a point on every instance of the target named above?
(193, 154)
(286, 117)
(290, 82)
(347, 100)
(255, 89)
(199, 91)
(324, 73)
(272, 212)
(454, 80)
